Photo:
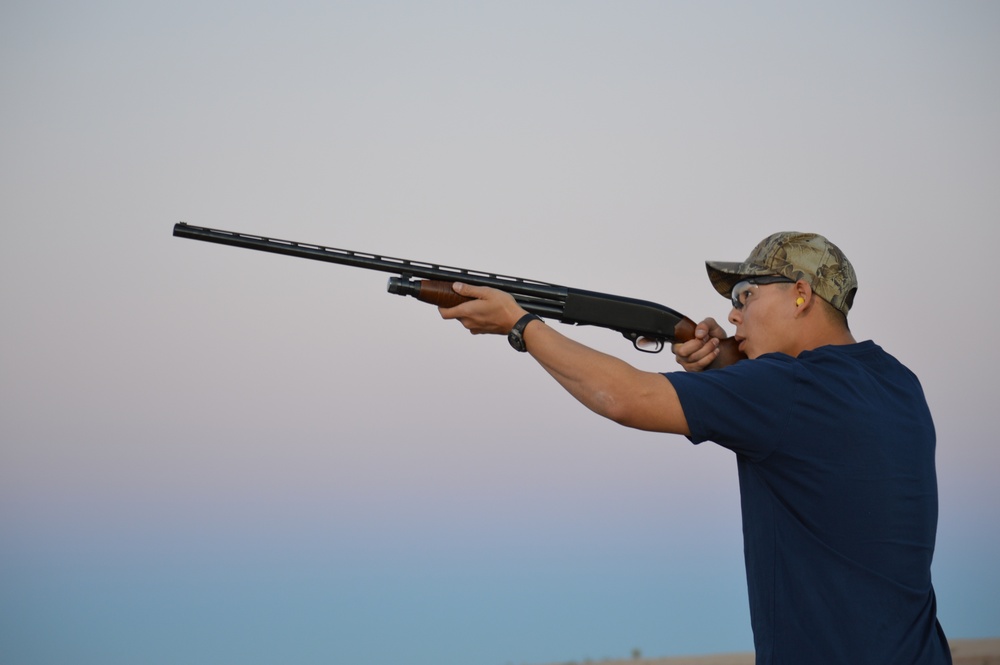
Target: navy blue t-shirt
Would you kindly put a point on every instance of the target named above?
(835, 452)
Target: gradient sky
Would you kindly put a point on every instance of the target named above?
(210, 455)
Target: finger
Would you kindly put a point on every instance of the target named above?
(695, 354)
(471, 291)
(693, 347)
(462, 309)
(709, 328)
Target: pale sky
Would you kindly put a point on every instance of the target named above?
(211, 455)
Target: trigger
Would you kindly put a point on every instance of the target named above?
(648, 344)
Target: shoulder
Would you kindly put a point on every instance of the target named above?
(851, 360)
(767, 368)
(733, 405)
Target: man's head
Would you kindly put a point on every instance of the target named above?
(806, 256)
(787, 277)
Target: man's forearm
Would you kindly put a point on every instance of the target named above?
(607, 385)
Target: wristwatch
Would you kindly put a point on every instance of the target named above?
(516, 334)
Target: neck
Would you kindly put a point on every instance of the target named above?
(826, 336)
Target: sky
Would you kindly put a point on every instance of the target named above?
(210, 455)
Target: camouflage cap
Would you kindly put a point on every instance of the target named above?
(794, 255)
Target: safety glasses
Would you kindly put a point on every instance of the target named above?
(744, 289)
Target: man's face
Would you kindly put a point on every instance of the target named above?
(762, 314)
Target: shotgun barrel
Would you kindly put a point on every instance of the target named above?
(648, 325)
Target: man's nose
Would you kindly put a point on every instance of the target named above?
(735, 316)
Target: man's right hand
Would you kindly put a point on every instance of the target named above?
(697, 354)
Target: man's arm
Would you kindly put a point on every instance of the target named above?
(606, 385)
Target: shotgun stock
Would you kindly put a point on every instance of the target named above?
(648, 325)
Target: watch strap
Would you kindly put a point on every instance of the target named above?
(516, 334)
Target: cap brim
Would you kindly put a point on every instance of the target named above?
(724, 275)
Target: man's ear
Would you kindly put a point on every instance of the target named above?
(803, 294)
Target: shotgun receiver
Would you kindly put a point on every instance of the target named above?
(648, 325)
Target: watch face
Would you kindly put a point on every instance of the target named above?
(516, 334)
(516, 340)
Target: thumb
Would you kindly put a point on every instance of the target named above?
(468, 290)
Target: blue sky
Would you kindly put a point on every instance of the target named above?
(210, 455)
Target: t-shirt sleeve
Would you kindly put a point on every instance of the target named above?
(744, 407)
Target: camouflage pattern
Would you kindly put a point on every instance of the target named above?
(805, 256)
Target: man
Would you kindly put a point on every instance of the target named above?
(834, 445)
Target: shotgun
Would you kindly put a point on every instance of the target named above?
(648, 325)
